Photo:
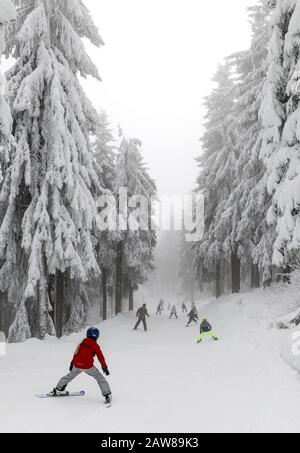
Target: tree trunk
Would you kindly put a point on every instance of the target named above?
(235, 274)
(59, 303)
(192, 292)
(218, 280)
(4, 327)
(252, 276)
(42, 296)
(255, 276)
(3, 303)
(67, 299)
(287, 274)
(104, 294)
(267, 283)
(131, 301)
(119, 278)
(1, 314)
(201, 284)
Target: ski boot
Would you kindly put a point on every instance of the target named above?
(108, 400)
(56, 392)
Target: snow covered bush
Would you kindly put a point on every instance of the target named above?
(290, 351)
(291, 291)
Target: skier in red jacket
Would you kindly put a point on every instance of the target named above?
(83, 361)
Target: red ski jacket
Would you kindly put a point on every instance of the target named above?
(85, 353)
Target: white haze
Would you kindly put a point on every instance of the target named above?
(156, 67)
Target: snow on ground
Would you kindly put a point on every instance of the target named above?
(162, 381)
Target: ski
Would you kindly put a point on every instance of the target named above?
(48, 395)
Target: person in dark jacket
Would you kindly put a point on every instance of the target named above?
(174, 312)
(206, 331)
(162, 305)
(160, 308)
(83, 361)
(193, 316)
(141, 315)
(183, 308)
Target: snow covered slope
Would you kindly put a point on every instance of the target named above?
(162, 381)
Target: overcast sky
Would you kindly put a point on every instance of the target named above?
(157, 64)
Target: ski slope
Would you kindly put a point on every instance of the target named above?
(162, 381)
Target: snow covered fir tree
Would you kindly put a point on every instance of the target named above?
(239, 170)
(52, 173)
(48, 191)
(229, 245)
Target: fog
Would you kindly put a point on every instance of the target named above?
(156, 66)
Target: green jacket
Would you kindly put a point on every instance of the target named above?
(142, 313)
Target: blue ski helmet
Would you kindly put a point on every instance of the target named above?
(93, 333)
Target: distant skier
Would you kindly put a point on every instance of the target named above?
(183, 308)
(83, 361)
(206, 331)
(173, 312)
(160, 308)
(193, 316)
(141, 314)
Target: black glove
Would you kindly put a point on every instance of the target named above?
(71, 366)
(105, 371)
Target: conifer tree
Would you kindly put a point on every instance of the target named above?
(48, 194)
(186, 268)
(134, 246)
(216, 178)
(7, 15)
(281, 137)
(251, 231)
(105, 157)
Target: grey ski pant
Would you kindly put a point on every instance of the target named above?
(139, 322)
(93, 372)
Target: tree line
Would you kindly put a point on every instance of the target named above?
(249, 170)
(57, 156)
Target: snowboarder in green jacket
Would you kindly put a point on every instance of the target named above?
(206, 331)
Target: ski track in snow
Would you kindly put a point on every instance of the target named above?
(162, 381)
